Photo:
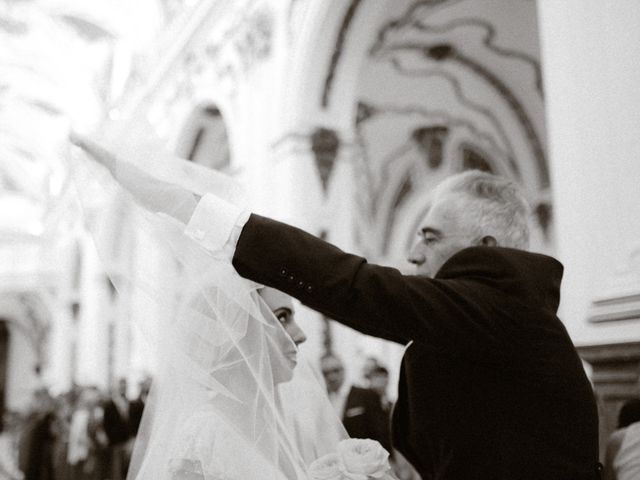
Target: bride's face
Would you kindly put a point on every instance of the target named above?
(282, 307)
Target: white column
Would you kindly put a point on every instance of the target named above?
(93, 328)
(291, 189)
(57, 372)
(590, 52)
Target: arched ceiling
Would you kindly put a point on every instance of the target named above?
(58, 67)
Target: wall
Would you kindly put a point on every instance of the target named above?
(590, 51)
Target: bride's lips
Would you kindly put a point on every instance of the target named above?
(292, 356)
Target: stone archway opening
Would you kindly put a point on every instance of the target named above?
(446, 87)
(204, 139)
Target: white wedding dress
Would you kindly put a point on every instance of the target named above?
(226, 402)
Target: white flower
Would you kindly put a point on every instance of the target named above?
(326, 468)
(363, 459)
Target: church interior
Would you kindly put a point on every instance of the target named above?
(336, 116)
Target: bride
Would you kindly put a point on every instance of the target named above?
(230, 399)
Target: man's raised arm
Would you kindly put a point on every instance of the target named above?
(372, 299)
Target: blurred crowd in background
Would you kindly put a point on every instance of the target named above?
(88, 434)
(83, 434)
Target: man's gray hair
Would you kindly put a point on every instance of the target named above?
(490, 205)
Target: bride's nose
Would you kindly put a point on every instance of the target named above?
(297, 334)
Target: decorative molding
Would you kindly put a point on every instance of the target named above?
(402, 193)
(488, 41)
(611, 352)
(337, 51)
(428, 7)
(171, 49)
(616, 375)
(394, 35)
(373, 187)
(473, 158)
(431, 141)
(615, 309)
(619, 300)
(444, 51)
(447, 52)
(440, 117)
(465, 101)
(365, 112)
(245, 43)
(544, 216)
(324, 145)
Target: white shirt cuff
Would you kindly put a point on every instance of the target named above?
(217, 224)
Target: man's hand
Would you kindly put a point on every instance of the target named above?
(152, 194)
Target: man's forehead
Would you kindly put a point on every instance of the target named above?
(440, 216)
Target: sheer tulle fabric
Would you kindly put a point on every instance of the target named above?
(230, 399)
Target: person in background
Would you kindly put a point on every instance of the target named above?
(622, 457)
(65, 404)
(36, 441)
(8, 447)
(369, 365)
(379, 382)
(136, 407)
(118, 430)
(87, 439)
(359, 408)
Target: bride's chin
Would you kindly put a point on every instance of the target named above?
(285, 374)
(291, 363)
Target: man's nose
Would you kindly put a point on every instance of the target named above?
(416, 256)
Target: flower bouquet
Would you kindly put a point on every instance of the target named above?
(355, 459)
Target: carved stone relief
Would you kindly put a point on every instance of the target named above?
(434, 100)
(325, 144)
(619, 297)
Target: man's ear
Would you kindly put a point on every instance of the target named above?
(488, 241)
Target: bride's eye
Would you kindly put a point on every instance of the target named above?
(283, 318)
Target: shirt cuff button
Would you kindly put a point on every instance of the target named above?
(283, 272)
(309, 289)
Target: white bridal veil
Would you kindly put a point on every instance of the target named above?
(230, 398)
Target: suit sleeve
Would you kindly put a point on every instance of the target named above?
(374, 300)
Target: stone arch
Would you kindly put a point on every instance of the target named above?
(466, 76)
(25, 318)
(204, 137)
(408, 103)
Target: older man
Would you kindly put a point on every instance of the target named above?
(491, 386)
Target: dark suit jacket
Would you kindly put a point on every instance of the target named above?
(491, 386)
(136, 409)
(116, 426)
(363, 416)
(35, 458)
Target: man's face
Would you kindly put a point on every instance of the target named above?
(333, 373)
(379, 383)
(442, 235)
